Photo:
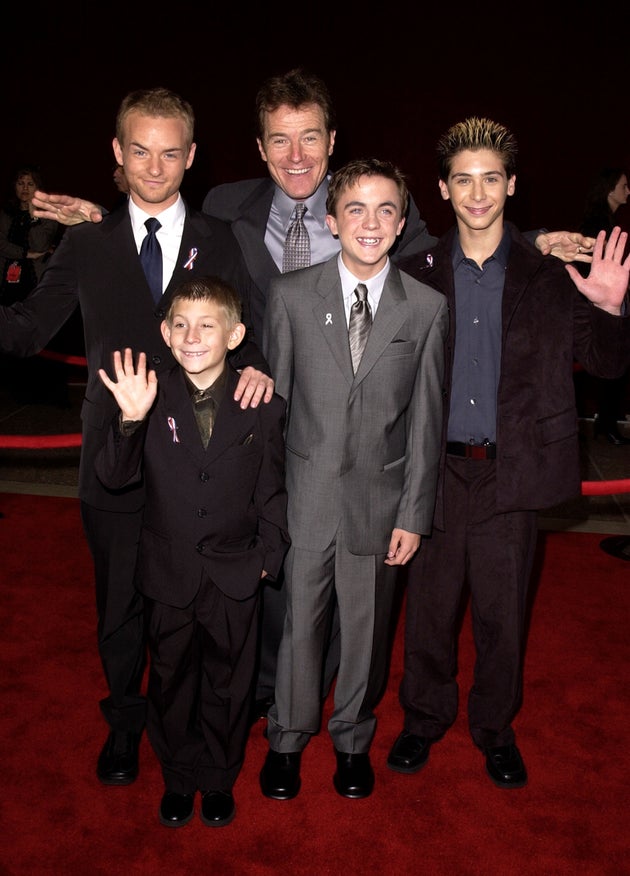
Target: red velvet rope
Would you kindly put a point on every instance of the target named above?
(37, 442)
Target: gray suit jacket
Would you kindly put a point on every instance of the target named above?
(245, 205)
(362, 451)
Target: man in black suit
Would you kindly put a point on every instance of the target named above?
(97, 266)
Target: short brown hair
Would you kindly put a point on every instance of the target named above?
(350, 173)
(295, 89)
(212, 289)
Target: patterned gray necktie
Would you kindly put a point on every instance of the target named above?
(297, 246)
(360, 325)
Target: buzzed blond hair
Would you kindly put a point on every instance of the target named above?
(159, 103)
(476, 133)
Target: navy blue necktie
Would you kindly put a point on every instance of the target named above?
(151, 258)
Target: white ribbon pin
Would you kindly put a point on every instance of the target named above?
(328, 319)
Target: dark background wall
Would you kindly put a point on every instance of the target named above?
(556, 74)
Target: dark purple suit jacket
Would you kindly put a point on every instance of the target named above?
(218, 512)
(547, 326)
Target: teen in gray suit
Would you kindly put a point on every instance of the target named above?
(362, 457)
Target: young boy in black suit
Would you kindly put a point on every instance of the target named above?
(214, 527)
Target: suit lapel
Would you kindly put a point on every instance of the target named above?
(249, 229)
(330, 316)
(390, 315)
(121, 253)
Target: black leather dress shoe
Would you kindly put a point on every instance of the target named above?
(217, 808)
(354, 777)
(409, 753)
(118, 761)
(176, 810)
(617, 546)
(280, 775)
(505, 766)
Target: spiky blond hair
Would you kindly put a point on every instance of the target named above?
(476, 133)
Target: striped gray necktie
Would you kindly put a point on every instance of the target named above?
(297, 246)
(360, 325)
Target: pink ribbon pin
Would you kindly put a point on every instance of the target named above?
(172, 425)
(192, 255)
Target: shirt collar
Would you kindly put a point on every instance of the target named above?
(500, 254)
(168, 218)
(316, 204)
(215, 391)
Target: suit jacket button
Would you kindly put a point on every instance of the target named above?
(157, 360)
(204, 476)
(199, 548)
(201, 512)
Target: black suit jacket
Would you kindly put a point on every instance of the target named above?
(217, 512)
(547, 325)
(97, 267)
(246, 205)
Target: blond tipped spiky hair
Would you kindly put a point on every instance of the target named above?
(476, 133)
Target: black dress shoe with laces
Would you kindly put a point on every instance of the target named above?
(217, 808)
(354, 777)
(118, 761)
(176, 810)
(505, 766)
(409, 753)
(280, 775)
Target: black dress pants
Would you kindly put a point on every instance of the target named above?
(493, 554)
(113, 541)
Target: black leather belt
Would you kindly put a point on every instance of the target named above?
(472, 451)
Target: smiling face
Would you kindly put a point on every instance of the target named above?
(297, 147)
(477, 187)
(200, 334)
(367, 220)
(155, 153)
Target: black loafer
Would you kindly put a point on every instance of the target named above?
(118, 761)
(354, 777)
(217, 808)
(409, 753)
(176, 810)
(280, 775)
(505, 766)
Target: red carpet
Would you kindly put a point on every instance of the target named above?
(449, 819)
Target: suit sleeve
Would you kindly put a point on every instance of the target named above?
(118, 463)
(271, 495)
(424, 431)
(28, 325)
